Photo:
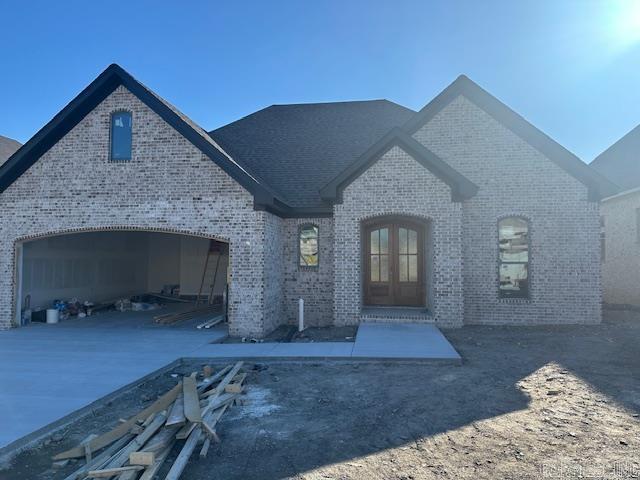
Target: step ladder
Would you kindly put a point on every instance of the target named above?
(215, 253)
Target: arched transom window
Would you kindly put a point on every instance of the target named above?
(513, 239)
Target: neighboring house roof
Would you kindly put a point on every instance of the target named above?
(95, 93)
(298, 148)
(461, 187)
(620, 163)
(598, 185)
(8, 147)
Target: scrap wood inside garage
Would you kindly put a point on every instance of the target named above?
(164, 278)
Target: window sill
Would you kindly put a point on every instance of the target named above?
(514, 300)
(303, 268)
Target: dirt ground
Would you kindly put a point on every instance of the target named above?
(528, 402)
(290, 334)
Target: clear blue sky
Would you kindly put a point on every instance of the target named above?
(571, 67)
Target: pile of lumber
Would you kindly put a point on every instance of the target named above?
(138, 448)
(174, 317)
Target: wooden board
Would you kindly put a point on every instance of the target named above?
(112, 472)
(142, 458)
(105, 439)
(191, 401)
(236, 385)
(176, 414)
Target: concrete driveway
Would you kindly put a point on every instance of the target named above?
(49, 371)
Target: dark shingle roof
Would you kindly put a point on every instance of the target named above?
(8, 147)
(299, 148)
(620, 163)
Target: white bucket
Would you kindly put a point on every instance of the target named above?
(53, 315)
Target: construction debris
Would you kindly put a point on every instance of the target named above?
(211, 323)
(137, 448)
(169, 318)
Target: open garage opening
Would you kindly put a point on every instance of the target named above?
(171, 278)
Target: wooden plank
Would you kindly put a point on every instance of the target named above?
(207, 382)
(88, 453)
(142, 458)
(214, 403)
(236, 385)
(219, 401)
(191, 401)
(160, 440)
(205, 447)
(102, 459)
(151, 471)
(226, 380)
(215, 321)
(103, 440)
(136, 444)
(211, 322)
(185, 431)
(111, 472)
(183, 457)
(176, 414)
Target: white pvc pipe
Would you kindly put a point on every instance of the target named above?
(300, 315)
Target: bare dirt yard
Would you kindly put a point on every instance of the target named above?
(528, 403)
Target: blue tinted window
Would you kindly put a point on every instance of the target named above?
(121, 136)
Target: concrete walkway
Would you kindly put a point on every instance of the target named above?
(49, 371)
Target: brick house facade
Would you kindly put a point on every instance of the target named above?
(455, 169)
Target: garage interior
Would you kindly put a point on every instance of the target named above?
(139, 275)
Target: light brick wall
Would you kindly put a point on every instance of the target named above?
(516, 179)
(621, 266)
(169, 185)
(398, 185)
(314, 285)
(273, 273)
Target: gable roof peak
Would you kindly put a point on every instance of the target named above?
(104, 84)
(461, 187)
(598, 186)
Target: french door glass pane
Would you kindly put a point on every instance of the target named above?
(384, 268)
(403, 268)
(375, 242)
(413, 242)
(402, 241)
(384, 240)
(375, 268)
(413, 268)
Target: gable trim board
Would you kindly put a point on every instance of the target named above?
(461, 187)
(264, 197)
(597, 184)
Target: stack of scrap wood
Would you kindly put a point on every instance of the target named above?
(174, 317)
(138, 448)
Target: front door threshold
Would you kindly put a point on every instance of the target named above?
(385, 313)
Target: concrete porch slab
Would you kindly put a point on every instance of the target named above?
(403, 341)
